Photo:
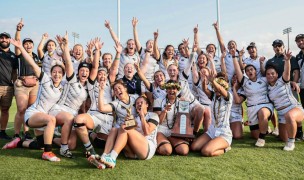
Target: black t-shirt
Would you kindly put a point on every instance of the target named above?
(24, 68)
(134, 85)
(278, 62)
(8, 62)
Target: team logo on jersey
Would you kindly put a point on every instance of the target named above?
(12, 56)
(259, 82)
(249, 83)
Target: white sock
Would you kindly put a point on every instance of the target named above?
(113, 154)
(64, 147)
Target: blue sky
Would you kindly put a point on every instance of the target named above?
(261, 21)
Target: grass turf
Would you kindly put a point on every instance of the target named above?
(244, 161)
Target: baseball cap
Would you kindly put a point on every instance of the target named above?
(299, 36)
(102, 69)
(84, 64)
(5, 34)
(277, 41)
(27, 40)
(251, 45)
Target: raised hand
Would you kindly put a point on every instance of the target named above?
(89, 50)
(242, 52)
(186, 42)
(195, 29)
(287, 55)
(262, 59)
(136, 66)
(102, 85)
(118, 47)
(107, 24)
(194, 47)
(97, 43)
(18, 43)
(134, 21)
(233, 52)
(155, 34)
(209, 56)
(20, 25)
(215, 25)
(45, 36)
(224, 54)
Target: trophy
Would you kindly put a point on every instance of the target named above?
(182, 126)
(130, 121)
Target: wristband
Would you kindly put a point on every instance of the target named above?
(117, 59)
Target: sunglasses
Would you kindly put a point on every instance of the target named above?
(277, 45)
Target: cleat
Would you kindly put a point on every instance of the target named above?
(289, 146)
(269, 130)
(27, 136)
(260, 143)
(13, 144)
(299, 136)
(3, 135)
(67, 153)
(93, 160)
(108, 161)
(50, 156)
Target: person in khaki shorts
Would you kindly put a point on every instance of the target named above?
(25, 94)
(8, 67)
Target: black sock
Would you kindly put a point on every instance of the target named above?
(100, 143)
(47, 147)
(262, 136)
(299, 129)
(19, 145)
(2, 131)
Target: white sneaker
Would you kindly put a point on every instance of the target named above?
(260, 143)
(227, 149)
(275, 131)
(289, 146)
(269, 130)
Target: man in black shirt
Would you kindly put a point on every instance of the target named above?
(8, 74)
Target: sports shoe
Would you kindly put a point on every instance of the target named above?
(50, 156)
(275, 132)
(66, 153)
(260, 143)
(108, 161)
(3, 135)
(13, 144)
(93, 159)
(299, 136)
(27, 136)
(269, 130)
(289, 146)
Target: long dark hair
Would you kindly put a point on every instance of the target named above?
(46, 44)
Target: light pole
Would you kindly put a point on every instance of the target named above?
(287, 31)
(118, 19)
(218, 23)
(75, 35)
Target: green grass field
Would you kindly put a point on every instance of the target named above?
(244, 161)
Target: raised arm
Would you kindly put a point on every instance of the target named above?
(286, 72)
(142, 76)
(241, 60)
(196, 39)
(211, 62)
(237, 68)
(219, 37)
(137, 42)
(114, 67)
(236, 97)
(195, 77)
(113, 35)
(145, 63)
(64, 45)
(223, 64)
(41, 44)
(205, 85)
(27, 57)
(186, 46)
(95, 64)
(104, 108)
(156, 53)
(217, 87)
(89, 52)
(17, 35)
(192, 59)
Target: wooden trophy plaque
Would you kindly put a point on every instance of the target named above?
(130, 121)
(182, 126)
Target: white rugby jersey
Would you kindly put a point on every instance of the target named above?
(281, 95)
(220, 111)
(47, 95)
(93, 89)
(256, 92)
(49, 61)
(124, 59)
(229, 65)
(75, 63)
(255, 63)
(151, 67)
(74, 94)
(217, 64)
(152, 118)
(160, 104)
(157, 91)
(202, 97)
(237, 108)
(120, 109)
(185, 88)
